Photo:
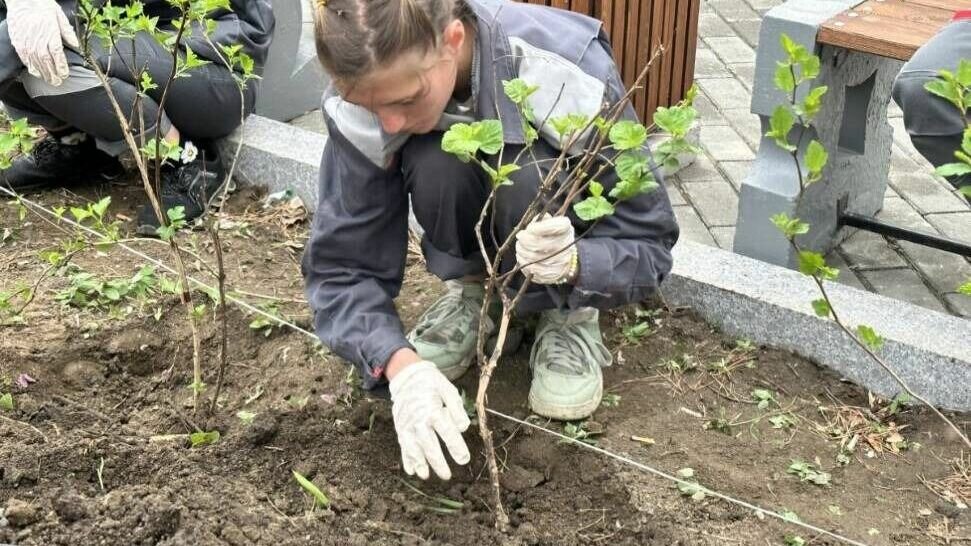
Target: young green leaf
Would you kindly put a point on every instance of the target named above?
(518, 90)
(808, 472)
(784, 80)
(198, 439)
(822, 308)
(965, 288)
(869, 337)
(627, 135)
(500, 177)
(593, 208)
(6, 402)
(949, 91)
(811, 103)
(814, 265)
(320, 499)
(954, 169)
(568, 124)
(675, 120)
(816, 158)
(790, 227)
(780, 124)
(631, 164)
(782, 421)
(464, 140)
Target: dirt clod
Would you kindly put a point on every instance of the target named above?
(20, 514)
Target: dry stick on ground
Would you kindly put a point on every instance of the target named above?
(832, 310)
(185, 296)
(575, 183)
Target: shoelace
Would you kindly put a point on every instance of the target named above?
(567, 350)
(452, 304)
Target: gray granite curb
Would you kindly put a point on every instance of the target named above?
(744, 297)
(277, 156)
(771, 305)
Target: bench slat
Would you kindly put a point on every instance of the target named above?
(889, 28)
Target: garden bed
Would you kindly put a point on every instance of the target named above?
(96, 450)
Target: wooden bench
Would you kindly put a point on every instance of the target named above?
(861, 46)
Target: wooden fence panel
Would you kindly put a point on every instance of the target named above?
(636, 28)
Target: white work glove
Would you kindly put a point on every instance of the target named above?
(537, 245)
(37, 29)
(426, 406)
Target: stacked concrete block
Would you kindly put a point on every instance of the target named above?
(852, 126)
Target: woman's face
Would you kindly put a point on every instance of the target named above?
(410, 94)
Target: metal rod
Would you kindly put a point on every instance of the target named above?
(923, 238)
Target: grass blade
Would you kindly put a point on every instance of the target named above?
(319, 497)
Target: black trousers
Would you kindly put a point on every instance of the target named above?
(447, 197)
(204, 105)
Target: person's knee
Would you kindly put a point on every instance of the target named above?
(435, 178)
(924, 113)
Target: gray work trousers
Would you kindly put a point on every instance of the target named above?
(203, 106)
(935, 126)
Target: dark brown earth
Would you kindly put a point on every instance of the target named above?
(95, 451)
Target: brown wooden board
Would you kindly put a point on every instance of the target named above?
(635, 28)
(889, 28)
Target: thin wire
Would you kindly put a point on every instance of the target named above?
(665, 475)
(621, 458)
(160, 264)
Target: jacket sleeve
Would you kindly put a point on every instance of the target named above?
(626, 255)
(353, 265)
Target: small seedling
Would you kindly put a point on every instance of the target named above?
(634, 333)
(789, 515)
(794, 540)
(6, 402)
(762, 398)
(199, 439)
(719, 424)
(899, 402)
(468, 403)
(320, 499)
(835, 510)
(685, 363)
(442, 505)
(298, 402)
(579, 432)
(808, 472)
(782, 421)
(246, 416)
(265, 324)
(610, 400)
(690, 487)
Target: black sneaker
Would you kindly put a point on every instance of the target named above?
(60, 161)
(194, 185)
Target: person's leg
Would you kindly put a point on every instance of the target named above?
(935, 126)
(569, 352)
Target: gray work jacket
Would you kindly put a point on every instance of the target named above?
(354, 261)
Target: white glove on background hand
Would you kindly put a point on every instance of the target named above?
(426, 406)
(538, 243)
(37, 29)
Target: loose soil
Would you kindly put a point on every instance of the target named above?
(95, 451)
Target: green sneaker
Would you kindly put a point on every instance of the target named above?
(566, 360)
(447, 331)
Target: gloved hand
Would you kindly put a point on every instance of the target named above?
(539, 242)
(37, 29)
(425, 403)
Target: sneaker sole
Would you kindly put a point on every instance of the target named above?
(560, 412)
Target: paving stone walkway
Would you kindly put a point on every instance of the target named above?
(705, 194)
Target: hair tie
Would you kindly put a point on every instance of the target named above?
(321, 3)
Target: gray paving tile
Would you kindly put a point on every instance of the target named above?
(725, 144)
(731, 49)
(724, 236)
(955, 225)
(865, 250)
(959, 304)
(903, 284)
(745, 72)
(764, 4)
(734, 10)
(847, 275)
(944, 271)
(748, 30)
(747, 124)
(708, 65)
(900, 162)
(692, 228)
(674, 194)
(703, 169)
(927, 194)
(708, 113)
(736, 171)
(726, 93)
(711, 24)
(715, 201)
